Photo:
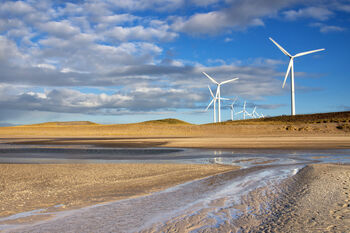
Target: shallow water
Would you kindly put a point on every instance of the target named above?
(208, 204)
(242, 157)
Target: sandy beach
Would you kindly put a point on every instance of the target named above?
(315, 200)
(26, 187)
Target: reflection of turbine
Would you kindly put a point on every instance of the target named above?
(244, 111)
(217, 152)
(218, 94)
(217, 160)
(291, 67)
(232, 109)
(213, 101)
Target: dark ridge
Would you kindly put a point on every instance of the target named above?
(330, 117)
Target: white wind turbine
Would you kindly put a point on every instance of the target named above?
(218, 94)
(244, 111)
(213, 101)
(291, 67)
(232, 108)
(255, 114)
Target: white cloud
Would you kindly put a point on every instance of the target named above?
(141, 33)
(59, 29)
(46, 66)
(9, 52)
(239, 14)
(117, 18)
(330, 28)
(16, 8)
(318, 13)
(157, 5)
(327, 28)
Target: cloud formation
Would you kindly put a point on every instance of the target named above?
(53, 52)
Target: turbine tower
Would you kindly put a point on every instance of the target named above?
(291, 67)
(232, 109)
(213, 101)
(218, 95)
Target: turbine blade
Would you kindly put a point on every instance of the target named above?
(224, 98)
(234, 101)
(280, 47)
(288, 70)
(211, 79)
(217, 92)
(308, 52)
(211, 102)
(211, 93)
(227, 81)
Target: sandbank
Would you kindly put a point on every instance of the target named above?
(236, 142)
(26, 187)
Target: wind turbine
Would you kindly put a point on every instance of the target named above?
(218, 94)
(244, 111)
(232, 109)
(291, 67)
(213, 101)
(254, 114)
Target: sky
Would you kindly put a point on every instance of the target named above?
(127, 61)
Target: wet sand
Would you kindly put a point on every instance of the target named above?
(26, 187)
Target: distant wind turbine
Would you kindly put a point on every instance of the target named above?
(218, 94)
(291, 67)
(244, 111)
(213, 101)
(232, 108)
(255, 114)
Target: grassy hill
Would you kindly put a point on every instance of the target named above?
(171, 121)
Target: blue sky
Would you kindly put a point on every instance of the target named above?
(133, 60)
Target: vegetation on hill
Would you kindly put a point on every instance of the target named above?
(167, 121)
(331, 117)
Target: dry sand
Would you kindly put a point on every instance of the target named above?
(244, 142)
(318, 201)
(25, 187)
